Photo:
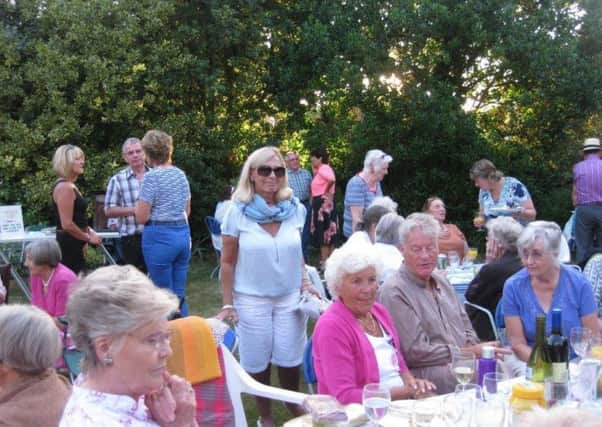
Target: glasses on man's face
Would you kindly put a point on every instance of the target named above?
(267, 171)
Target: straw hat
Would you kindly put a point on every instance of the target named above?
(591, 144)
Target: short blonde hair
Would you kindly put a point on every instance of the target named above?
(29, 340)
(111, 302)
(245, 189)
(63, 159)
(157, 146)
(349, 259)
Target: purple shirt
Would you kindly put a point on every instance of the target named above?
(54, 300)
(587, 177)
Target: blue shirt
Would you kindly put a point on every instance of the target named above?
(167, 190)
(299, 181)
(573, 295)
(357, 193)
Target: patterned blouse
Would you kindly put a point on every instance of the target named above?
(513, 195)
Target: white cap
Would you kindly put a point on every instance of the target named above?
(488, 352)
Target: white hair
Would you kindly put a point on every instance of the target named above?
(388, 229)
(385, 202)
(505, 230)
(349, 259)
(376, 160)
(421, 221)
(547, 231)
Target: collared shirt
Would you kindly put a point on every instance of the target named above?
(299, 181)
(123, 191)
(587, 176)
(430, 324)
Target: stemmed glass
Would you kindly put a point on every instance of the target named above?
(581, 340)
(425, 412)
(496, 386)
(376, 399)
(463, 366)
(471, 256)
(455, 410)
(466, 396)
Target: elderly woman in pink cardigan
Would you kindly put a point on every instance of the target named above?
(354, 341)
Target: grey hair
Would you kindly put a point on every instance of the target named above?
(505, 230)
(388, 229)
(421, 221)
(547, 231)
(485, 169)
(30, 342)
(131, 140)
(385, 202)
(44, 252)
(371, 216)
(376, 160)
(111, 302)
(349, 259)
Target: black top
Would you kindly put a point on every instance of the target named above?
(486, 290)
(80, 205)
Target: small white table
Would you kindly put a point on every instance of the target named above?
(30, 236)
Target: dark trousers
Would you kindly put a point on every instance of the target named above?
(588, 232)
(131, 251)
(305, 235)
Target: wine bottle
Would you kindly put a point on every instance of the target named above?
(538, 366)
(558, 350)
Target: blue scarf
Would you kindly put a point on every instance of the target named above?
(259, 211)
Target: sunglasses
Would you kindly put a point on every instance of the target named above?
(267, 171)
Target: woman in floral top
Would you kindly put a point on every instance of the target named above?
(500, 195)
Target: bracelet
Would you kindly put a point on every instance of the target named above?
(227, 307)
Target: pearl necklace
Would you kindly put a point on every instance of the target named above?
(370, 326)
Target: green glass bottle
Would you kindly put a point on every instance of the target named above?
(538, 366)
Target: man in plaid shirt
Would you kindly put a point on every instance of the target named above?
(299, 180)
(120, 201)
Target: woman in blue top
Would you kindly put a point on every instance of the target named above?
(542, 285)
(163, 206)
(262, 272)
(500, 195)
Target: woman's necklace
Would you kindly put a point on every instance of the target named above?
(45, 283)
(370, 325)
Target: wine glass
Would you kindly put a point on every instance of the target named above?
(490, 413)
(455, 410)
(376, 399)
(425, 411)
(467, 395)
(581, 340)
(471, 256)
(454, 260)
(463, 366)
(496, 386)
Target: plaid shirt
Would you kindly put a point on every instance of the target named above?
(299, 181)
(122, 191)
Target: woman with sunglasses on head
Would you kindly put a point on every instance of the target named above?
(323, 222)
(262, 271)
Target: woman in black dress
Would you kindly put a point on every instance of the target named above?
(72, 230)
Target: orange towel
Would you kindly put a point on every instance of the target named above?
(194, 351)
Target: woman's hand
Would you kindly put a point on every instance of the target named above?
(94, 239)
(493, 250)
(162, 404)
(174, 405)
(227, 313)
(477, 349)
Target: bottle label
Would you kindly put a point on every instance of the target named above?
(559, 372)
(529, 373)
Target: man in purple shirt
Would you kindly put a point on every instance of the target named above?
(587, 199)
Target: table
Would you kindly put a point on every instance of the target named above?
(31, 236)
(461, 277)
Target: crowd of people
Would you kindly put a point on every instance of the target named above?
(395, 318)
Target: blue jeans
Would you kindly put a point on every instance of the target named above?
(166, 250)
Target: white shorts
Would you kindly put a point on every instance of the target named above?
(270, 330)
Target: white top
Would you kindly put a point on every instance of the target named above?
(390, 258)
(220, 213)
(266, 265)
(91, 408)
(359, 237)
(386, 358)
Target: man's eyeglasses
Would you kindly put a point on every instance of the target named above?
(267, 171)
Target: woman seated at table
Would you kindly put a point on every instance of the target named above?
(49, 279)
(450, 236)
(31, 393)
(366, 232)
(501, 262)
(118, 320)
(542, 285)
(354, 342)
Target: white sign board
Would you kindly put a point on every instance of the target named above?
(11, 220)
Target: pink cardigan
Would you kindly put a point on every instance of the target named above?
(344, 359)
(55, 300)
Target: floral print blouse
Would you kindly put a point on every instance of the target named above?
(513, 195)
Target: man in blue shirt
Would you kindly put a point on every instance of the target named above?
(299, 180)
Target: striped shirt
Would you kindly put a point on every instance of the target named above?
(122, 191)
(587, 176)
(357, 193)
(167, 190)
(299, 181)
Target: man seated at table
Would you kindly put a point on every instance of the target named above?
(429, 319)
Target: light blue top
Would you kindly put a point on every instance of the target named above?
(513, 195)
(266, 265)
(167, 190)
(573, 295)
(357, 193)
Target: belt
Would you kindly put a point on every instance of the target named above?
(179, 222)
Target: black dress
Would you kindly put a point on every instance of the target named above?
(486, 290)
(72, 248)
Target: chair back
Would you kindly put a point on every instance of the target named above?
(213, 225)
(499, 316)
(309, 372)
(487, 313)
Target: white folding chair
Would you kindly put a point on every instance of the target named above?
(489, 316)
(239, 381)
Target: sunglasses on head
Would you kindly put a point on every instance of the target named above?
(267, 171)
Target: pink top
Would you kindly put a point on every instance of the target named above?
(344, 359)
(55, 299)
(323, 176)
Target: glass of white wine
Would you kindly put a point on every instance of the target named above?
(463, 366)
(581, 340)
(376, 399)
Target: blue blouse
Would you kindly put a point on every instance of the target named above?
(513, 195)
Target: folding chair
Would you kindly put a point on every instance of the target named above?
(487, 313)
(215, 229)
(309, 373)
